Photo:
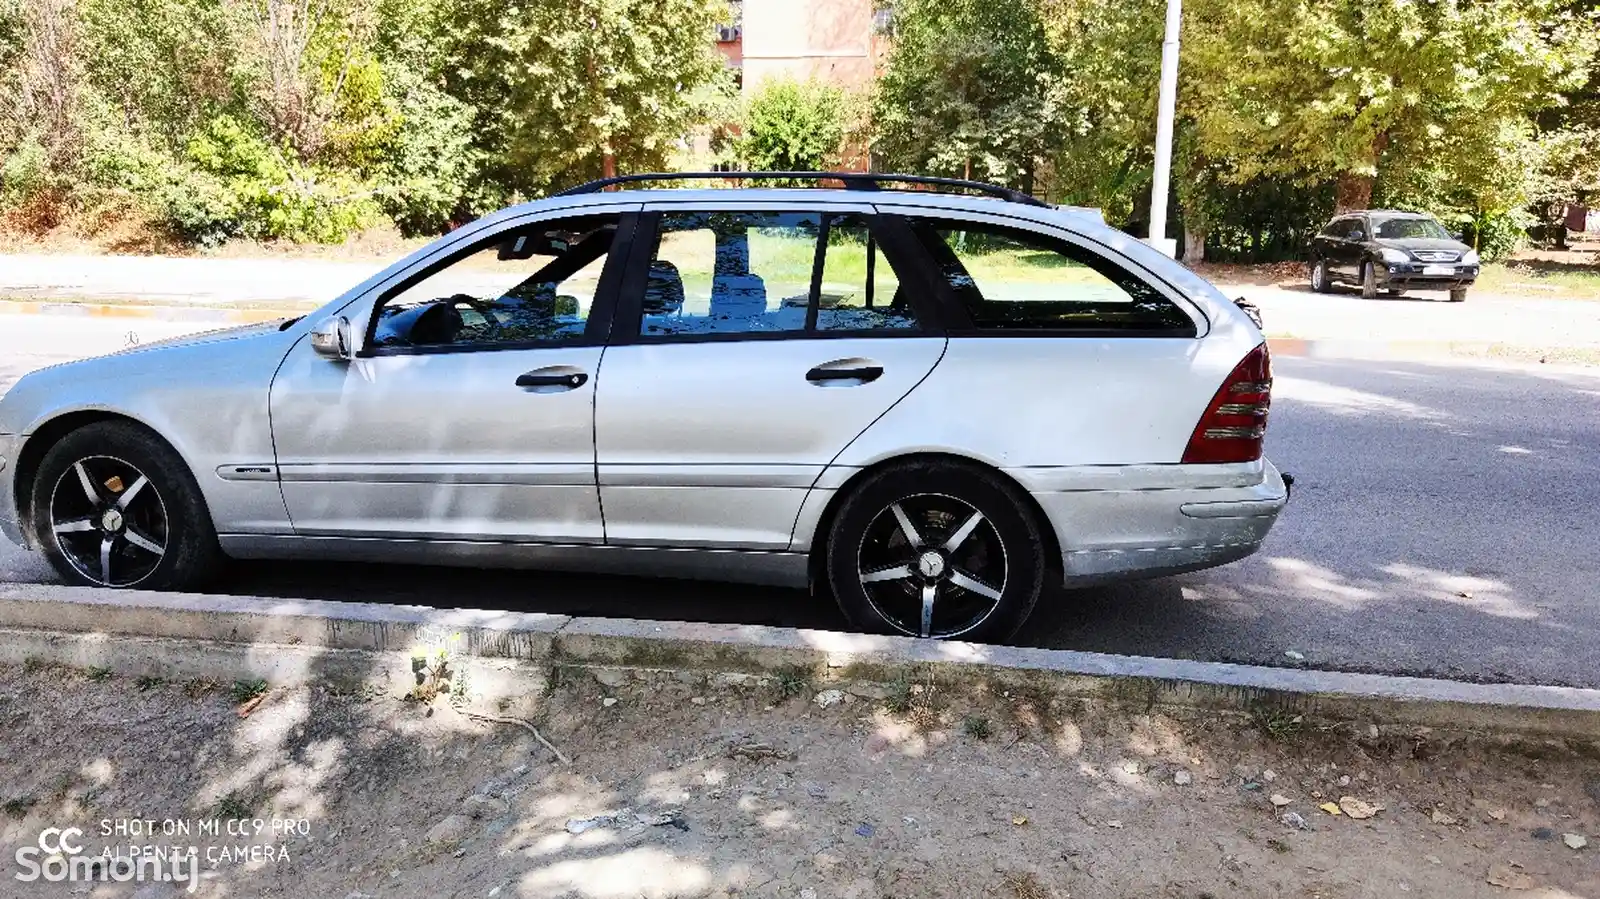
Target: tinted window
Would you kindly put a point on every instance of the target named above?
(1337, 229)
(859, 291)
(531, 285)
(1010, 279)
(760, 272)
(731, 272)
(1400, 229)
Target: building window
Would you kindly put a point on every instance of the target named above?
(734, 30)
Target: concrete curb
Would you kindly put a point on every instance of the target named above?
(235, 316)
(510, 655)
(1401, 350)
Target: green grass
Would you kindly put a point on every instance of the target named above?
(1535, 279)
(792, 680)
(18, 807)
(234, 806)
(245, 690)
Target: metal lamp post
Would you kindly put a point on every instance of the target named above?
(1167, 105)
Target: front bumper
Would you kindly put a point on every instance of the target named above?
(1412, 275)
(10, 524)
(1119, 535)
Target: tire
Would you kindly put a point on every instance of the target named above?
(1319, 277)
(983, 589)
(1394, 292)
(1458, 295)
(114, 506)
(1369, 281)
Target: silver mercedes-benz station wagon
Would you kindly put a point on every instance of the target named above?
(931, 403)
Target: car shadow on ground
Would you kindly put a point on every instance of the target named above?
(1410, 296)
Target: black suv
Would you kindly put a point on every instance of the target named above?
(1381, 249)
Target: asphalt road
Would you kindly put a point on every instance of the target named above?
(1444, 524)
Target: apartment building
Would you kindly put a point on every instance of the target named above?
(832, 40)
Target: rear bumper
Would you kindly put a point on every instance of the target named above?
(1130, 534)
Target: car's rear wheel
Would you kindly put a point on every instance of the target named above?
(1319, 276)
(1458, 295)
(113, 506)
(1369, 281)
(937, 549)
(1394, 292)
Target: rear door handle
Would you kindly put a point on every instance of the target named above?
(540, 378)
(864, 374)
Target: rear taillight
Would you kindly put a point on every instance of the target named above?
(1235, 422)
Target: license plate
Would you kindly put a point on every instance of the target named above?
(1438, 269)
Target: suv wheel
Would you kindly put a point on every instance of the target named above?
(1458, 294)
(1319, 276)
(1369, 281)
(114, 507)
(937, 549)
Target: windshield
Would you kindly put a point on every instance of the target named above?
(1400, 229)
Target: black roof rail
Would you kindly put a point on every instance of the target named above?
(851, 180)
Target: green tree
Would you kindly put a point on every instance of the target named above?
(567, 90)
(791, 126)
(970, 89)
(1346, 89)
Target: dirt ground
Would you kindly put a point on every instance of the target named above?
(908, 791)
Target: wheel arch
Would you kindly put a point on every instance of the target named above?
(47, 434)
(816, 552)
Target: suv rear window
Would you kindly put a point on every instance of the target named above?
(1010, 279)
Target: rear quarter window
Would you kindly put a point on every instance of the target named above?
(1014, 280)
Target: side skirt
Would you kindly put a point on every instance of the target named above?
(770, 569)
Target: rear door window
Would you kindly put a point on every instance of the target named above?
(745, 274)
(1010, 279)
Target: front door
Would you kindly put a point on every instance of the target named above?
(469, 413)
(750, 348)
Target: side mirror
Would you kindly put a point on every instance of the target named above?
(1458, 236)
(331, 338)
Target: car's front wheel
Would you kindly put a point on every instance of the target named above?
(1458, 295)
(937, 549)
(1369, 281)
(114, 506)
(1319, 276)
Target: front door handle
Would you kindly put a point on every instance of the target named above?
(570, 380)
(863, 373)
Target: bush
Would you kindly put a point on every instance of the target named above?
(792, 126)
(235, 184)
(1498, 236)
(24, 174)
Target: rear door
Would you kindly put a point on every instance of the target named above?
(1061, 354)
(1329, 243)
(751, 345)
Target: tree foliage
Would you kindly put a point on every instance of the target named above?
(310, 119)
(971, 90)
(792, 126)
(558, 87)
